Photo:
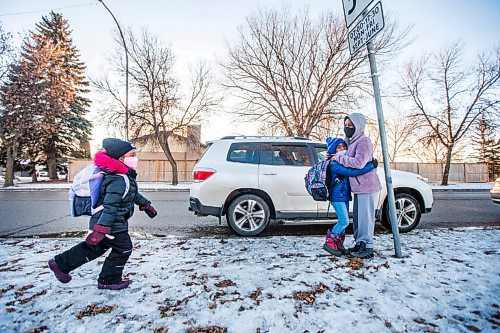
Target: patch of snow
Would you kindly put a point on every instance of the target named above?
(463, 186)
(45, 186)
(448, 282)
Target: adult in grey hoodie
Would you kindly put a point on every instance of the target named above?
(365, 187)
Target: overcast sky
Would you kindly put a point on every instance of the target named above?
(198, 29)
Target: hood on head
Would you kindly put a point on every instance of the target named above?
(333, 143)
(109, 164)
(359, 121)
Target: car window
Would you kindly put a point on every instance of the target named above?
(244, 153)
(285, 155)
(320, 153)
(266, 154)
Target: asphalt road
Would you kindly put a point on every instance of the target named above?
(47, 214)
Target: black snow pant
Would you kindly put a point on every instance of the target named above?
(111, 272)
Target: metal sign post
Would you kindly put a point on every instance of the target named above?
(391, 202)
(363, 25)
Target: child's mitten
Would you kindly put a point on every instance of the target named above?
(97, 235)
(149, 210)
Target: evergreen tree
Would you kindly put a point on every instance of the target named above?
(33, 89)
(74, 129)
(487, 145)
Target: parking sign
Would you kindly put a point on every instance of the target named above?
(366, 28)
(352, 9)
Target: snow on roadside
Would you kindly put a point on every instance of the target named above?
(448, 283)
(463, 186)
(50, 186)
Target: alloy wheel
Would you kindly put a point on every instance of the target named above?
(406, 212)
(249, 215)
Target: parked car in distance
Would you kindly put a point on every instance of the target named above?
(252, 180)
(2, 180)
(495, 191)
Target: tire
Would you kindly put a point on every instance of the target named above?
(407, 210)
(248, 215)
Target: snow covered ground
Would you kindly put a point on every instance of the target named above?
(463, 186)
(49, 186)
(449, 282)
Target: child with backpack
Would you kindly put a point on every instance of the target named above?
(109, 225)
(340, 194)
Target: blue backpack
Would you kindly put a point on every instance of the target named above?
(316, 181)
(85, 191)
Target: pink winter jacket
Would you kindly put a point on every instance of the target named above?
(360, 152)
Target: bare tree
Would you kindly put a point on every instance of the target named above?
(296, 73)
(160, 111)
(401, 131)
(428, 148)
(460, 94)
(329, 127)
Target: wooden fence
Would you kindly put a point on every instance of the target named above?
(153, 167)
(459, 172)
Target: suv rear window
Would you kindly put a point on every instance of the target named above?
(244, 153)
(285, 155)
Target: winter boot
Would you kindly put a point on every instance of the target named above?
(115, 286)
(328, 235)
(60, 275)
(340, 244)
(363, 251)
(331, 244)
(355, 248)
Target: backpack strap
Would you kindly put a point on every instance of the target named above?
(127, 188)
(127, 184)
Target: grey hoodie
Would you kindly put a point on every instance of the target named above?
(359, 122)
(360, 152)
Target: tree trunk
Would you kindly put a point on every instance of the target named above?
(50, 152)
(9, 166)
(446, 172)
(34, 178)
(171, 160)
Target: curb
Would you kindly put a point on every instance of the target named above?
(67, 189)
(461, 190)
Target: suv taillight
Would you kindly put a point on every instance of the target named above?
(201, 175)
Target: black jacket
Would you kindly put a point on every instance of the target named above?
(117, 211)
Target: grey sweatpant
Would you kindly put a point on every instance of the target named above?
(364, 217)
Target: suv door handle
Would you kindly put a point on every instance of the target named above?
(270, 174)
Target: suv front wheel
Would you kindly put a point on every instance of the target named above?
(407, 210)
(248, 215)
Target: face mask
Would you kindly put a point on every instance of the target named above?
(349, 131)
(131, 161)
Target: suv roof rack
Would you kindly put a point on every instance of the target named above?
(232, 137)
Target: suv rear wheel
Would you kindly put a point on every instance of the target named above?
(248, 215)
(407, 210)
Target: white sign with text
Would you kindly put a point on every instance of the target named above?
(367, 28)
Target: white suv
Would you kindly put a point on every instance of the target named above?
(252, 180)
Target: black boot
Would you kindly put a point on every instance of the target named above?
(355, 248)
(363, 251)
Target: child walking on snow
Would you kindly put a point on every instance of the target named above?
(340, 195)
(109, 225)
